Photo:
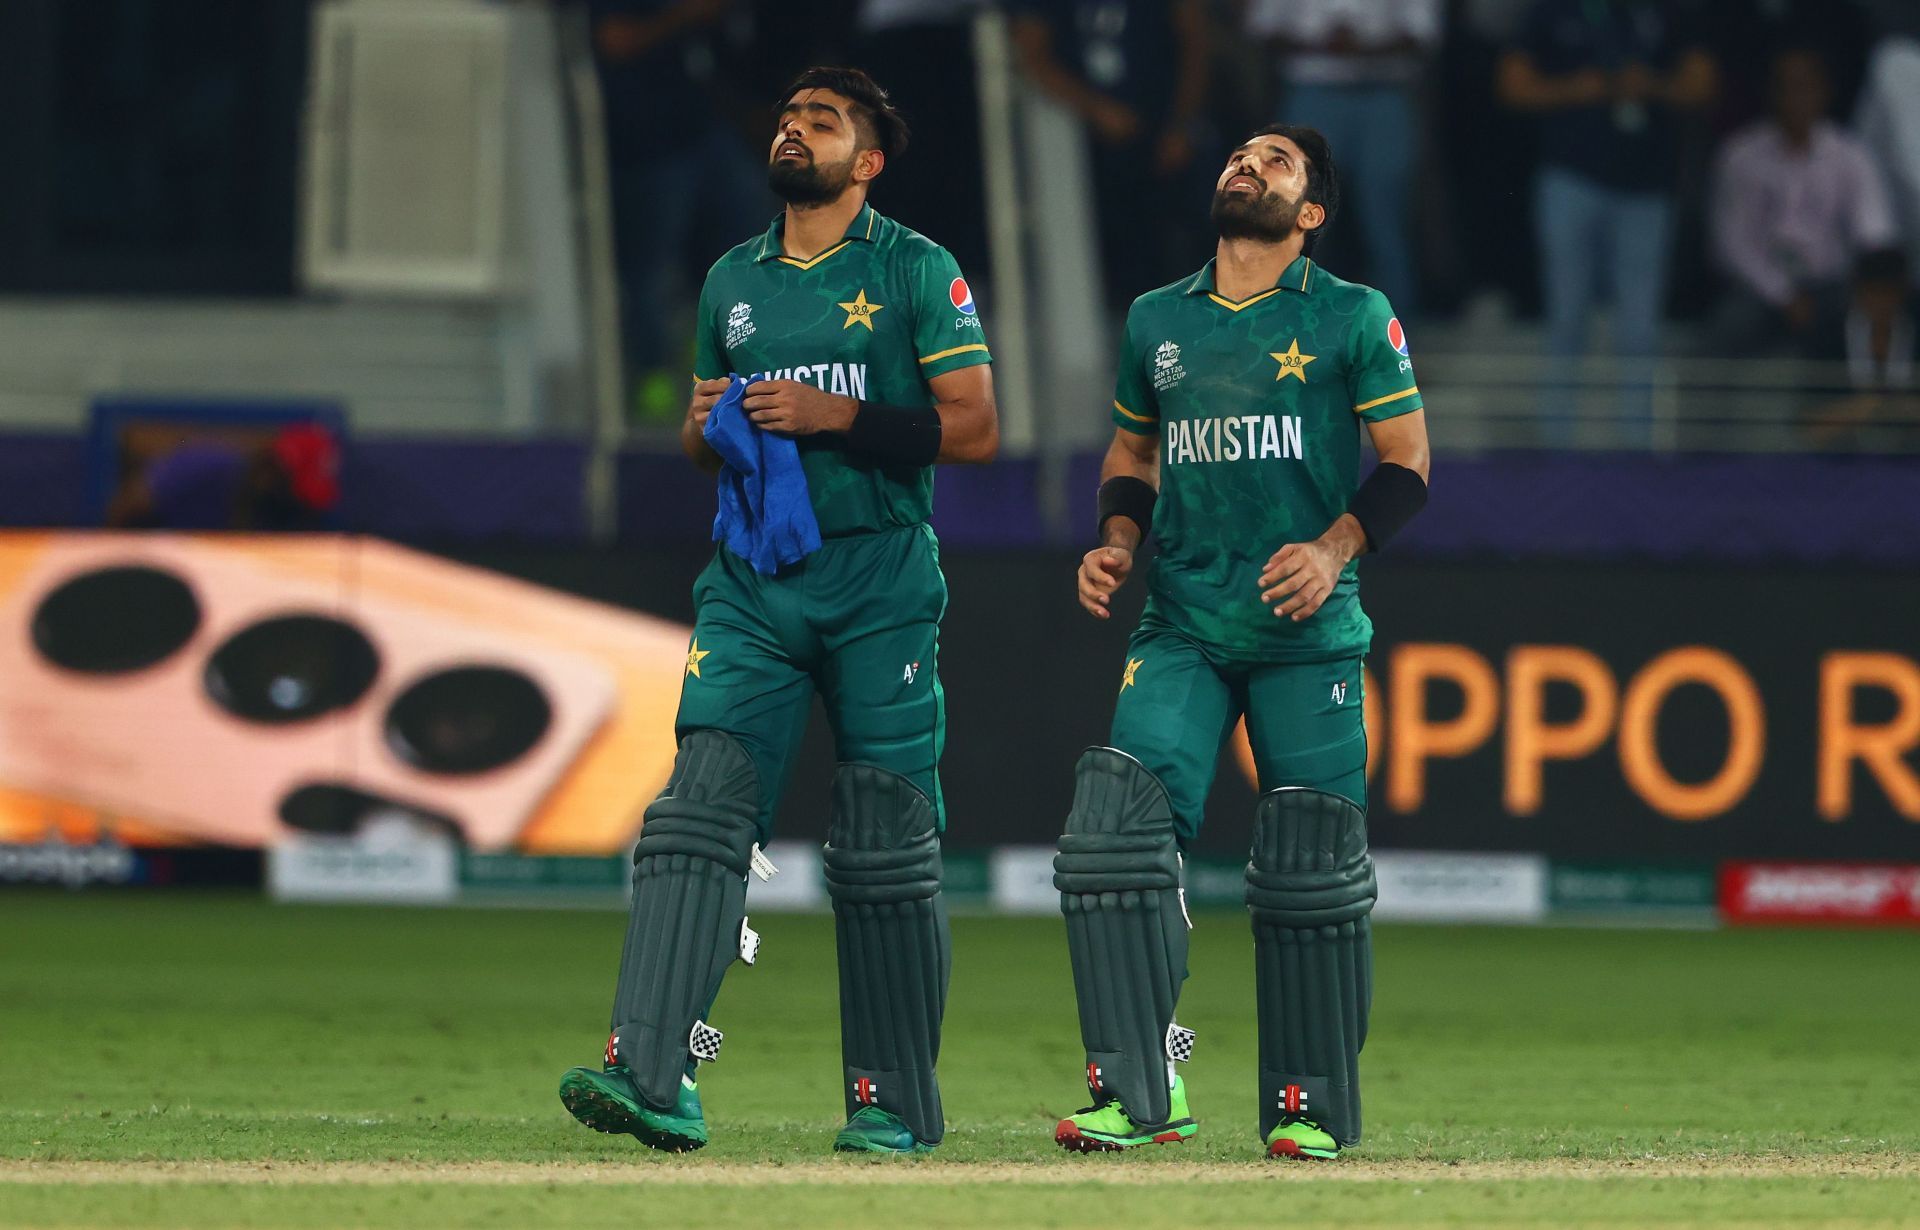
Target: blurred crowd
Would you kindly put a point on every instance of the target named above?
(1733, 178)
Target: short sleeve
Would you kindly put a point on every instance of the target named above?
(1136, 408)
(947, 334)
(1379, 369)
(710, 360)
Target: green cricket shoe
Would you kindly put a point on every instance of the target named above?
(872, 1130)
(1297, 1137)
(1105, 1128)
(607, 1102)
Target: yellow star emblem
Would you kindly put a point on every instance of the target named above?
(1292, 362)
(693, 658)
(860, 311)
(1133, 665)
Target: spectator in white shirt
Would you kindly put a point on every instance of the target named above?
(1797, 202)
(1353, 70)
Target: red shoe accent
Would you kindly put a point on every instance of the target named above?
(1067, 1136)
(1169, 1138)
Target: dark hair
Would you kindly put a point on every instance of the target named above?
(1323, 177)
(873, 110)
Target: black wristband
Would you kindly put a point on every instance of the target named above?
(898, 435)
(1130, 497)
(1386, 501)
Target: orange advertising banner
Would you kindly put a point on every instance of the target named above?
(163, 690)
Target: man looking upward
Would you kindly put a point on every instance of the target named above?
(1242, 394)
(863, 345)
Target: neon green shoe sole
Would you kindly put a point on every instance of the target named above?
(872, 1130)
(607, 1102)
(1070, 1135)
(1106, 1128)
(1301, 1139)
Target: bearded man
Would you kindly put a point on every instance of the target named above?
(860, 343)
(1242, 394)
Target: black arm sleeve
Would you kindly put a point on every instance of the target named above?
(896, 435)
(1386, 501)
(1126, 496)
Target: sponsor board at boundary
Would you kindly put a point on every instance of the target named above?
(70, 866)
(112, 864)
(390, 864)
(1445, 887)
(1865, 893)
(1626, 888)
(1414, 885)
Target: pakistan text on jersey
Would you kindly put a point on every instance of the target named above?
(849, 379)
(1241, 437)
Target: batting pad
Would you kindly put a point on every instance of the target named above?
(689, 908)
(883, 872)
(1310, 889)
(1118, 872)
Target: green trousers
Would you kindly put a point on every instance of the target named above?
(1305, 720)
(858, 621)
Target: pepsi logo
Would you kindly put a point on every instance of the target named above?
(1396, 336)
(961, 295)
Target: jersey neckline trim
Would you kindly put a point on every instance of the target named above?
(1295, 277)
(860, 229)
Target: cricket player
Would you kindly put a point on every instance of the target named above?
(864, 345)
(1241, 397)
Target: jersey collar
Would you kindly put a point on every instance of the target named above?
(1297, 277)
(865, 225)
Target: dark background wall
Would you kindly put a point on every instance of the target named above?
(150, 148)
(1030, 681)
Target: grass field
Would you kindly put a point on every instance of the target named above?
(217, 1061)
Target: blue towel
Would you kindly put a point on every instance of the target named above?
(766, 516)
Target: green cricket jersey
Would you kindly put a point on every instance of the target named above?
(875, 317)
(1257, 406)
